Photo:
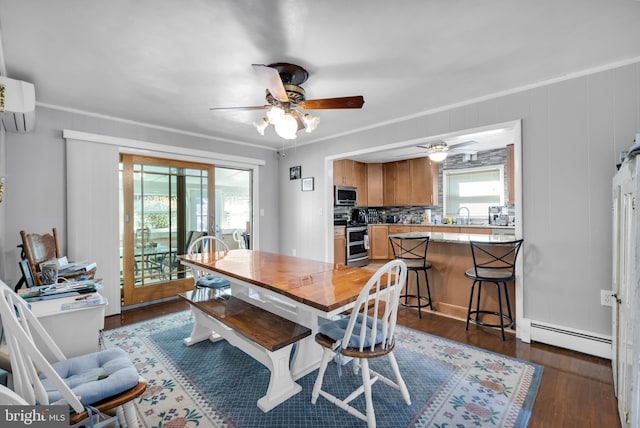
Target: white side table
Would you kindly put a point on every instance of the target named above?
(76, 331)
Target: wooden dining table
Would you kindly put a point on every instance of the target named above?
(301, 290)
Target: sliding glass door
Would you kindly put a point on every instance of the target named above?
(165, 205)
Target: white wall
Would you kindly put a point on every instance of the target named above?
(573, 132)
(36, 174)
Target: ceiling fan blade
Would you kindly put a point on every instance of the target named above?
(271, 78)
(462, 144)
(265, 107)
(331, 103)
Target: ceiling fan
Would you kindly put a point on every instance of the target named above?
(286, 100)
(439, 151)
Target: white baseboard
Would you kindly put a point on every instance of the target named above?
(570, 338)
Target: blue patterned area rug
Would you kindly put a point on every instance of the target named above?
(217, 385)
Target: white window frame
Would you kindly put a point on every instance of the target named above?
(447, 172)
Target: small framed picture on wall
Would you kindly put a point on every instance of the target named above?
(295, 172)
(307, 184)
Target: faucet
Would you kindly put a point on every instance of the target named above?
(468, 214)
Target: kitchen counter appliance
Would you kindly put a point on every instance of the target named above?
(499, 216)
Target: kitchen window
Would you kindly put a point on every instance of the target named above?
(474, 188)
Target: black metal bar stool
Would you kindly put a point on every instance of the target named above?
(413, 251)
(493, 262)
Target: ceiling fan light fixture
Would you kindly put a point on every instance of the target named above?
(261, 125)
(438, 156)
(285, 98)
(275, 114)
(310, 122)
(287, 126)
(438, 152)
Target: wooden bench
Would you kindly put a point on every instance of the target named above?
(265, 336)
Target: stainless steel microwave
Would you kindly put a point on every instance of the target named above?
(345, 195)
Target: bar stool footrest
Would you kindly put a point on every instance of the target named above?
(498, 314)
(428, 303)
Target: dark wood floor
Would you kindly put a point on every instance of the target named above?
(576, 389)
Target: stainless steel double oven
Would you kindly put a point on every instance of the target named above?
(357, 245)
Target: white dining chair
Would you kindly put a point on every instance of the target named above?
(368, 332)
(239, 238)
(90, 384)
(9, 398)
(214, 247)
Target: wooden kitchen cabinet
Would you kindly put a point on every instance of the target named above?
(396, 183)
(378, 242)
(421, 229)
(393, 230)
(411, 182)
(351, 173)
(360, 182)
(340, 171)
(511, 194)
(374, 185)
(339, 245)
(403, 183)
(424, 182)
(389, 178)
(478, 230)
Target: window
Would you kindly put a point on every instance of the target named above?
(474, 188)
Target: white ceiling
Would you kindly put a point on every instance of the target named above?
(166, 62)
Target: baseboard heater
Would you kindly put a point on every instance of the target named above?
(576, 340)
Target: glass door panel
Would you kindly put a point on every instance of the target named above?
(233, 206)
(165, 206)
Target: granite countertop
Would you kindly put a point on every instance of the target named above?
(456, 238)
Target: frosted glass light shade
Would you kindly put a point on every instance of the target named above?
(438, 156)
(275, 114)
(286, 127)
(310, 122)
(261, 125)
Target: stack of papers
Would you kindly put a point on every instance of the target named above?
(76, 267)
(63, 289)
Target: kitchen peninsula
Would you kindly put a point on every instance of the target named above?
(450, 256)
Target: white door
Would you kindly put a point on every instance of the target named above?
(624, 276)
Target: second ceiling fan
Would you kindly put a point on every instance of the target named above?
(286, 100)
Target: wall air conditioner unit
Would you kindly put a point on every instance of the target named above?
(17, 105)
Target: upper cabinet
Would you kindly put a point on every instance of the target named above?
(424, 182)
(410, 182)
(343, 172)
(374, 185)
(360, 180)
(351, 173)
(389, 183)
(396, 183)
(511, 194)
